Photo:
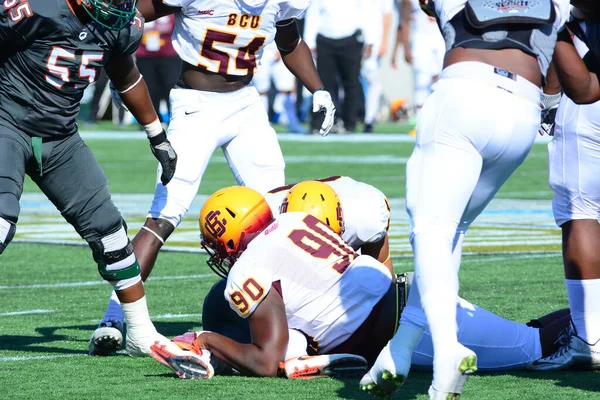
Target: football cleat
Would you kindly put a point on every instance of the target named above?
(449, 380)
(107, 339)
(186, 364)
(575, 353)
(389, 371)
(339, 366)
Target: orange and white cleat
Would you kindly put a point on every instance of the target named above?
(339, 366)
(187, 364)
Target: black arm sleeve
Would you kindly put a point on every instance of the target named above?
(287, 36)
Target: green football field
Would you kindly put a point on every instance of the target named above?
(51, 297)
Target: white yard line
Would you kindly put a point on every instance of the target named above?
(31, 358)
(286, 137)
(96, 283)
(174, 316)
(8, 314)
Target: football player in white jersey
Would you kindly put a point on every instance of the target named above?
(424, 50)
(272, 70)
(220, 43)
(574, 175)
(378, 19)
(304, 292)
(474, 130)
(362, 217)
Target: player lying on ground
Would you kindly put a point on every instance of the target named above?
(302, 290)
(574, 175)
(220, 43)
(359, 212)
(51, 51)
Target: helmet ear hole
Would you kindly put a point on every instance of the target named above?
(231, 244)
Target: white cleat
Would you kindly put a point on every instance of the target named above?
(575, 353)
(449, 380)
(388, 373)
(107, 339)
(339, 366)
(187, 364)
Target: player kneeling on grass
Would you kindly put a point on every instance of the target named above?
(296, 291)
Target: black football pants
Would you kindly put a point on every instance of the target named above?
(71, 178)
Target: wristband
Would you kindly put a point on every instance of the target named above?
(153, 129)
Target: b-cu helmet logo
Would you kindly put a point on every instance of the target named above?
(214, 225)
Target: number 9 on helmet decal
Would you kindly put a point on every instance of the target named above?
(111, 14)
(229, 220)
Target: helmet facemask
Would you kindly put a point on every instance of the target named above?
(111, 14)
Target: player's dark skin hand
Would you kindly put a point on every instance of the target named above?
(166, 156)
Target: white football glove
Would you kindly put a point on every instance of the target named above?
(116, 98)
(322, 103)
(549, 106)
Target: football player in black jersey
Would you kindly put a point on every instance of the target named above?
(50, 51)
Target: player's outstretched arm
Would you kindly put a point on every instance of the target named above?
(133, 91)
(577, 81)
(269, 330)
(154, 9)
(297, 57)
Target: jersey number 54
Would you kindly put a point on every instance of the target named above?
(244, 60)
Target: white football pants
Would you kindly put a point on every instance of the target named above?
(574, 162)
(474, 130)
(200, 123)
(500, 344)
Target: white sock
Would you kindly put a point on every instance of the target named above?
(412, 324)
(137, 316)
(584, 301)
(437, 280)
(113, 310)
(297, 344)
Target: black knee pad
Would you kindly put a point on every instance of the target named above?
(217, 316)
(9, 237)
(103, 259)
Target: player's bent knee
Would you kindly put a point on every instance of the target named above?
(7, 233)
(116, 261)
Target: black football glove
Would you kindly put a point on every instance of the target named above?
(166, 156)
(549, 107)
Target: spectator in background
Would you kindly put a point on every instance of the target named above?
(424, 50)
(273, 70)
(379, 19)
(335, 29)
(399, 34)
(158, 62)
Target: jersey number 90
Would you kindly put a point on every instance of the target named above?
(321, 242)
